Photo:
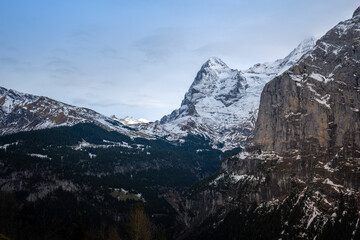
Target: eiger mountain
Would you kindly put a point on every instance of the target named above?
(299, 175)
(222, 103)
(26, 112)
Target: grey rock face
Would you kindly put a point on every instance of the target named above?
(315, 105)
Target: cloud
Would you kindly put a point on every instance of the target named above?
(160, 47)
(13, 64)
(60, 51)
(108, 52)
(11, 49)
(61, 67)
(9, 61)
(83, 36)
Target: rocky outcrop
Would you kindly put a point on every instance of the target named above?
(315, 105)
(310, 188)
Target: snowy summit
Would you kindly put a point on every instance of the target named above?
(222, 103)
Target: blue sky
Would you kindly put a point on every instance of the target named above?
(138, 58)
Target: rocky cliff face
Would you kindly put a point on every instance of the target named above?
(222, 103)
(315, 105)
(302, 162)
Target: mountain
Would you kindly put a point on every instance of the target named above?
(26, 112)
(272, 69)
(128, 121)
(222, 103)
(298, 177)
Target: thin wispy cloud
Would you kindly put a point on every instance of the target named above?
(9, 61)
(83, 36)
(59, 66)
(160, 47)
(108, 52)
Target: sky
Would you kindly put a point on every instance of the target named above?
(138, 57)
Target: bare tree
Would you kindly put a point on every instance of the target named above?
(139, 227)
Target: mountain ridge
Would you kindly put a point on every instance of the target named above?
(27, 112)
(221, 103)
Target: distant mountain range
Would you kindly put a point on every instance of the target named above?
(25, 112)
(221, 105)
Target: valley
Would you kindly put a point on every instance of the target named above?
(270, 152)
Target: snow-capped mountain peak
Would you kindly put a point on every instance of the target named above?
(215, 86)
(356, 13)
(298, 52)
(214, 63)
(279, 66)
(304, 46)
(222, 103)
(212, 70)
(127, 121)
